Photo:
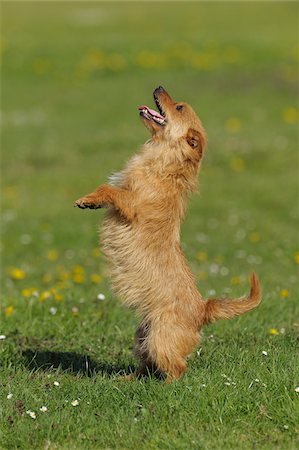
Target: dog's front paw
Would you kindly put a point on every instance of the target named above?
(87, 202)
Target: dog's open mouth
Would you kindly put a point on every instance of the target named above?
(151, 114)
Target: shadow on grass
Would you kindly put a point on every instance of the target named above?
(71, 362)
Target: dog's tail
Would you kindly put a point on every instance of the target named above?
(227, 308)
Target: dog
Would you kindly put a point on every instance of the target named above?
(146, 203)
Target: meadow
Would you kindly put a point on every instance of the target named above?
(73, 76)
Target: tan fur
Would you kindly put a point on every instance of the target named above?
(141, 238)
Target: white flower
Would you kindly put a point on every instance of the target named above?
(264, 353)
(43, 409)
(101, 297)
(75, 403)
(297, 389)
(56, 383)
(2, 337)
(53, 310)
(31, 414)
(9, 396)
(286, 427)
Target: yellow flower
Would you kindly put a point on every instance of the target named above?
(255, 237)
(78, 269)
(290, 115)
(17, 274)
(96, 252)
(202, 275)
(202, 256)
(284, 293)
(237, 164)
(95, 278)
(79, 278)
(52, 255)
(29, 292)
(273, 331)
(58, 297)
(8, 311)
(233, 125)
(11, 192)
(45, 295)
(296, 257)
(235, 280)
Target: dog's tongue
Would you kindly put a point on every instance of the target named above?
(151, 111)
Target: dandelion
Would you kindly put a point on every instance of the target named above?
(264, 353)
(45, 295)
(78, 278)
(273, 331)
(95, 278)
(17, 274)
(296, 257)
(43, 409)
(255, 237)
(233, 125)
(203, 275)
(282, 330)
(63, 274)
(58, 297)
(56, 383)
(201, 256)
(75, 403)
(9, 311)
(235, 280)
(284, 293)
(52, 255)
(96, 252)
(237, 164)
(29, 292)
(101, 297)
(290, 115)
(9, 396)
(31, 414)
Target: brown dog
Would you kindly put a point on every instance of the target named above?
(141, 238)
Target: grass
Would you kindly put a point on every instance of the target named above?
(72, 76)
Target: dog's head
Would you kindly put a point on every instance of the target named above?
(176, 123)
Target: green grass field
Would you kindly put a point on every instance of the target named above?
(73, 75)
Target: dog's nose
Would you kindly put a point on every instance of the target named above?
(159, 90)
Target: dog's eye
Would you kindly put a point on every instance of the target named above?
(180, 107)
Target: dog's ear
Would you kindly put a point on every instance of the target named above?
(196, 140)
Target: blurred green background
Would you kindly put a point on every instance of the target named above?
(73, 76)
